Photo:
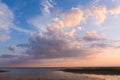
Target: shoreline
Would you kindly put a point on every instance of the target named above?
(100, 71)
(1, 71)
(87, 70)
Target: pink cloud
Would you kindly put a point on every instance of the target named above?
(93, 36)
(99, 13)
(73, 17)
(115, 10)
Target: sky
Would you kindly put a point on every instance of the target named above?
(59, 33)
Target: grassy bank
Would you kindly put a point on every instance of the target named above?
(98, 70)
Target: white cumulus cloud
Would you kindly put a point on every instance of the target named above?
(115, 10)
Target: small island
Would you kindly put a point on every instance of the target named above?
(3, 71)
(95, 70)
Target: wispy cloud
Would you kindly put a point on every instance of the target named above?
(93, 3)
(46, 6)
(21, 29)
(6, 20)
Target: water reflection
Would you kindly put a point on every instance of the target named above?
(74, 76)
(54, 74)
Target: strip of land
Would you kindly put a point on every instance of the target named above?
(98, 70)
(3, 71)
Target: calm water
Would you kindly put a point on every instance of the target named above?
(56, 74)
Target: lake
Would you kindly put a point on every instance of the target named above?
(50, 74)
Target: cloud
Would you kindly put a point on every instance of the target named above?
(93, 36)
(47, 5)
(22, 45)
(53, 45)
(99, 45)
(93, 2)
(12, 48)
(99, 13)
(55, 37)
(116, 1)
(40, 22)
(69, 18)
(8, 56)
(6, 19)
(57, 42)
(115, 10)
(21, 29)
(7, 23)
(73, 17)
(11, 60)
(79, 28)
(56, 24)
(59, 39)
(47, 47)
(71, 33)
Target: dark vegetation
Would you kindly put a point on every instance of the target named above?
(94, 70)
(3, 71)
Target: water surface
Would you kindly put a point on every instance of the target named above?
(52, 74)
